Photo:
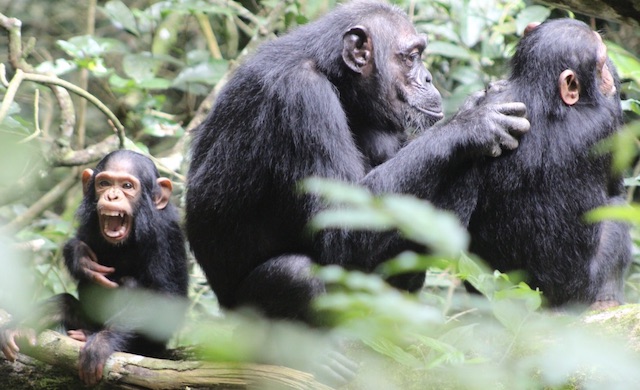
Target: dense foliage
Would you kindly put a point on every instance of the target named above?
(141, 69)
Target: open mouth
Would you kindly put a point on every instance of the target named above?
(115, 225)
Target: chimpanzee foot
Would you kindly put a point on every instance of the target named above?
(604, 304)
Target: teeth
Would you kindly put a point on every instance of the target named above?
(110, 213)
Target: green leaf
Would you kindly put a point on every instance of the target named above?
(632, 105)
(141, 66)
(627, 64)
(421, 222)
(411, 262)
(87, 46)
(355, 219)
(208, 73)
(535, 13)
(627, 213)
(337, 192)
(449, 50)
(121, 16)
(469, 269)
(472, 24)
(154, 83)
(59, 67)
(390, 349)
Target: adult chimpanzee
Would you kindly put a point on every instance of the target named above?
(331, 99)
(531, 206)
(128, 236)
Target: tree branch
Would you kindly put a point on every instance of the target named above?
(138, 372)
(42, 204)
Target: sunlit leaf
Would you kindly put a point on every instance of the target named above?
(58, 67)
(121, 16)
(337, 192)
(357, 219)
(627, 213)
(534, 13)
(627, 64)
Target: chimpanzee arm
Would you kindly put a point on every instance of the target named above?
(613, 255)
(421, 166)
(83, 264)
(61, 309)
(97, 350)
(438, 166)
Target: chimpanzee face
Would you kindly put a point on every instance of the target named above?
(388, 55)
(421, 101)
(118, 196)
(117, 193)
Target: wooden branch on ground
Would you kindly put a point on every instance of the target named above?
(130, 371)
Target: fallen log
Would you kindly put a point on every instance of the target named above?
(128, 371)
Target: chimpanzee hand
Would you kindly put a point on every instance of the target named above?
(78, 334)
(93, 356)
(487, 129)
(8, 341)
(91, 269)
(477, 98)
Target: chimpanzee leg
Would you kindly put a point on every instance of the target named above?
(608, 266)
(59, 310)
(282, 288)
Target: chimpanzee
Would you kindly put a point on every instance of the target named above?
(532, 201)
(128, 237)
(333, 99)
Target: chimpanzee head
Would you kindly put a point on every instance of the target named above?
(384, 53)
(565, 59)
(123, 183)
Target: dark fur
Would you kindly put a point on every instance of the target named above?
(296, 110)
(152, 259)
(532, 202)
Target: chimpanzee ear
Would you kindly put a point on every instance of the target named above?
(162, 199)
(569, 87)
(530, 27)
(357, 50)
(86, 177)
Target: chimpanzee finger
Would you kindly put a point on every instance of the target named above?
(509, 143)
(495, 151)
(9, 354)
(102, 280)
(343, 367)
(77, 334)
(91, 253)
(88, 374)
(98, 373)
(512, 109)
(516, 126)
(10, 348)
(102, 269)
(11, 343)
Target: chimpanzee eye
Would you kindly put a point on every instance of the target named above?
(104, 183)
(413, 57)
(127, 186)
